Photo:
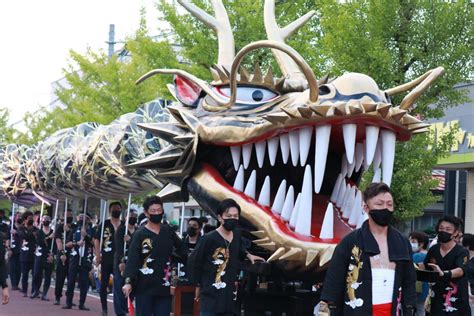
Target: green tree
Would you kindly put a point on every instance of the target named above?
(6, 131)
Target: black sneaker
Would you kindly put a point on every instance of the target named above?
(56, 302)
(83, 308)
(34, 295)
(44, 298)
(67, 307)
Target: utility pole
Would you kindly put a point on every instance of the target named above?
(111, 41)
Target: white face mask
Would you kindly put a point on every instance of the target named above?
(414, 246)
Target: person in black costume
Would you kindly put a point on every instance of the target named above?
(27, 234)
(105, 256)
(62, 256)
(43, 259)
(3, 272)
(148, 269)
(14, 253)
(450, 293)
(80, 260)
(213, 264)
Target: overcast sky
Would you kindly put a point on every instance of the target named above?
(37, 36)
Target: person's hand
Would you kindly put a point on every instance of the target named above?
(50, 258)
(436, 268)
(13, 231)
(254, 258)
(122, 267)
(63, 259)
(80, 243)
(127, 289)
(83, 232)
(9, 253)
(98, 260)
(126, 238)
(69, 244)
(5, 296)
(197, 294)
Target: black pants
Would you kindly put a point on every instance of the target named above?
(26, 267)
(149, 305)
(15, 269)
(42, 268)
(61, 274)
(80, 274)
(105, 272)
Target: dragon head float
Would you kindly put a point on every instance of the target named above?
(291, 150)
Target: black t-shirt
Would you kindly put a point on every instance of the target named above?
(150, 255)
(43, 241)
(28, 243)
(77, 252)
(214, 265)
(59, 234)
(119, 256)
(449, 297)
(108, 241)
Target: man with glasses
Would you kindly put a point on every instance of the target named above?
(148, 269)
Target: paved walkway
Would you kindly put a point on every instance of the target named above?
(24, 306)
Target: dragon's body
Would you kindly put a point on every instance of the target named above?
(289, 150)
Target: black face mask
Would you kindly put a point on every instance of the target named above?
(19, 221)
(156, 218)
(230, 223)
(116, 213)
(46, 223)
(69, 220)
(381, 217)
(444, 237)
(30, 222)
(132, 220)
(192, 231)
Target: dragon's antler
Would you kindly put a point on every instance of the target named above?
(220, 24)
(277, 34)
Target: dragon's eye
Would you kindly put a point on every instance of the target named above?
(249, 94)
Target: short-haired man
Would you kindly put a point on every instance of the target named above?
(27, 234)
(419, 244)
(450, 293)
(43, 266)
(63, 253)
(213, 265)
(105, 256)
(371, 271)
(148, 269)
(193, 233)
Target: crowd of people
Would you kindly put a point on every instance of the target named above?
(375, 270)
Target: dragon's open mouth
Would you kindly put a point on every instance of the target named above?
(306, 178)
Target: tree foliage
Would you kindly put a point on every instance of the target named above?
(6, 131)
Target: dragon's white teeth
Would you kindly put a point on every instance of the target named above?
(303, 221)
(294, 147)
(377, 176)
(272, 149)
(322, 136)
(327, 229)
(371, 137)
(289, 203)
(359, 156)
(260, 150)
(235, 151)
(388, 155)
(251, 185)
(347, 193)
(348, 203)
(350, 169)
(279, 198)
(362, 218)
(264, 198)
(305, 143)
(356, 209)
(349, 132)
(294, 213)
(285, 147)
(344, 165)
(378, 154)
(342, 193)
(246, 154)
(335, 191)
(239, 179)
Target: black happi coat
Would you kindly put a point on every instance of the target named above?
(449, 297)
(150, 255)
(28, 243)
(214, 265)
(108, 241)
(348, 281)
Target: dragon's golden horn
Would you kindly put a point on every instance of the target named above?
(421, 84)
(300, 62)
(220, 24)
(275, 33)
(202, 84)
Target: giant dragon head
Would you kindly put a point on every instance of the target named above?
(291, 151)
